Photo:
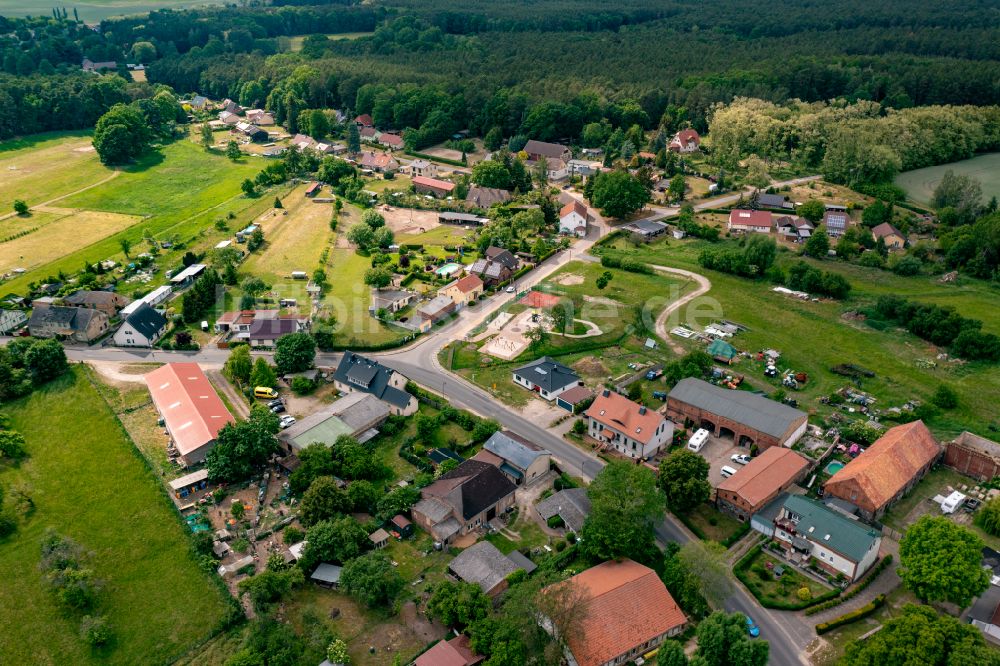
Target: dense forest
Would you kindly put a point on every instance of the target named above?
(541, 68)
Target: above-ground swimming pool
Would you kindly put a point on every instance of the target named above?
(833, 467)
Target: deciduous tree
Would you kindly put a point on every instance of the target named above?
(294, 352)
(625, 502)
(372, 579)
(684, 480)
(942, 561)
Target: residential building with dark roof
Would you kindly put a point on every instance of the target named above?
(536, 150)
(836, 222)
(626, 612)
(495, 266)
(546, 377)
(463, 500)
(11, 320)
(484, 565)
(631, 429)
(571, 504)
(264, 333)
(810, 531)
(521, 461)
(390, 300)
(484, 197)
(357, 373)
(107, 302)
(886, 470)
(142, 328)
(746, 417)
(759, 482)
(774, 201)
(78, 324)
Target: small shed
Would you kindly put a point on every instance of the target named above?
(401, 526)
(379, 539)
(227, 570)
(722, 351)
(189, 483)
(326, 575)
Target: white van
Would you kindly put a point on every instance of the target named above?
(698, 440)
(727, 471)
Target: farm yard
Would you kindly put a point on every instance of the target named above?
(919, 184)
(815, 336)
(157, 599)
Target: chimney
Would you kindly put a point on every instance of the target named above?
(605, 393)
(642, 410)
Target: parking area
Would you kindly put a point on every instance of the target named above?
(718, 451)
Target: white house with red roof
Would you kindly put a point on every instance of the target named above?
(630, 428)
(685, 141)
(192, 411)
(574, 218)
(750, 221)
(391, 141)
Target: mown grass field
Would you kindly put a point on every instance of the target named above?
(58, 234)
(43, 167)
(347, 297)
(88, 483)
(920, 183)
(295, 43)
(178, 192)
(813, 337)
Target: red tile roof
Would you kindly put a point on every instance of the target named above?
(573, 206)
(627, 417)
(393, 140)
(189, 405)
(766, 475)
(625, 604)
(889, 464)
(750, 218)
(469, 283)
(688, 135)
(455, 652)
(434, 183)
(365, 119)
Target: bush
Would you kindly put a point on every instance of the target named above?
(555, 521)
(571, 537)
(853, 616)
(241, 545)
(293, 535)
(303, 385)
(560, 546)
(94, 630)
(804, 593)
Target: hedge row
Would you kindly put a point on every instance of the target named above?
(435, 158)
(853, 616)
(625, 263)
(865, 582)
(740, 569)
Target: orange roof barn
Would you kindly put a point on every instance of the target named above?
(764, 477)
(190, 407)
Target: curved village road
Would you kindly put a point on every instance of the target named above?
(704, 284)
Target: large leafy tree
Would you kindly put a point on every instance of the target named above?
(684, 480)
(294, 352)
(459, 604)
(239, 364)
(120, 135)
(242, 448)
(372, 579)
(316, 460)
(941, 561)
(263, 373)
(625, 503)
(723, 641)
(707, 562)
(618, 193)
(45, 360)
(324, 500)
(922, 637)
(336, 540)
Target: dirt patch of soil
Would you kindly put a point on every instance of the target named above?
(570, 279)
(426, 628)
(591, 367)
(409, 221)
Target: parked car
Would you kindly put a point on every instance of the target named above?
(277, 409)
(654, 373)
(752, 627)
(287, 421)
(740, 458)
(510, 289)
(276, 402)
(660, 395)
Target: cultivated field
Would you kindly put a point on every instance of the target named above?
(295, 43)
(93, 12)
(58, 235)
(813, 337)
(88, 483)
(44, 167)
(920, 183)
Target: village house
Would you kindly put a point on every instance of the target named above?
(436, 309)
(890, 235)
(452, 652)
(356, 415)
(774, 201)
(574, 218)
(421, 167)
(625, 612)
(390, 300)
(259, 117)
(886, 471)
(794, 229)
(463, 291)
(432, 186)
(750, 221)
(536, 150)
(520, 460)
(495, 266)
(251, 132)
(759, 482)
(107, 302)
(484, 197)
(379, 162)
(231, 106)
(369, 135)
(646, 230)
(571, 504)
(192, 412)
(357, 373)
(836, 220)
(484, 565)
(141, 328)
(583, 168)
(630, 428)
(11, 320)
(462, 500)
(234, 322)
(89, 65)
(546, 377)
(391, 141)
(685, 141)
(265, 331)
(747, 418)
(364, 120)
(556, 168)
(77, 324)
(228, 118)
(809, 531)
(973, 456)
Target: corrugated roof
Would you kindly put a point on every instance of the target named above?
(516, 450)
(189, 405)
(752, 410)
(829, 528)
(484, 565)
(771, 471)
(888, 465)
(625, 605)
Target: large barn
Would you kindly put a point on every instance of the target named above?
(746, 417)
(191, 410)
